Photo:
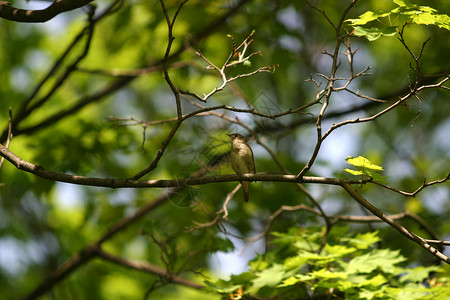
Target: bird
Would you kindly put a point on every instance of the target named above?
(242, 160)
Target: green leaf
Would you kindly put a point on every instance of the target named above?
(269, 277)
(294, 280)
(380, 293)
(406, 12)
(315, 258)
(374, 33)
(363, 163)
(367, 17)
(294, 262)
(363, 240)
(220, 286)
(402, 2)
(224, 245)
(428, 18)
(365, 167)
(327, 274)
(418, 274)
(383, 259)
(242, 278)
(354, 172)
(375, 281)
(339, 250)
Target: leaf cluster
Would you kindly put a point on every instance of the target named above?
(350, 266)
(405, 12)
(366, 168)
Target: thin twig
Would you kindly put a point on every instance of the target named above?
(175, 91)
(28, 106)
(418, 190)
(149, 268)
(9, 136)
(240, 52)
(330, 83)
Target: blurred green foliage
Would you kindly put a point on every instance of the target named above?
(43, 223)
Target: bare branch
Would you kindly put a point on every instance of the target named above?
(418, 190)
(339, 218)
(322, 12)
(174, 89)
(130, 183)
(28, 106)
(375, 116)
(364, 96)
(149, 268)
(112, 87)
(330, 83)
(36, 16)
(217, 219)
(438, 242)
(415, 238)
(133, 72)
(240, 52)
(9, 136)
(91, 250)
(417, 67)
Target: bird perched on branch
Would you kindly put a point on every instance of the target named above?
(242, 160)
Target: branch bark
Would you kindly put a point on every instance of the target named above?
(41, 15)
(415, 238)
(149, 268)
(131, 183)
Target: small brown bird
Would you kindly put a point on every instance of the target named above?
(242, 160)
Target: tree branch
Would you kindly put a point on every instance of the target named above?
(42, 15)
(119, 83)
(415, 238)
(90, 251)
(149, 268)
(130, 183)
(330, 84)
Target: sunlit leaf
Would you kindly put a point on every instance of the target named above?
(269, 277)
(383, 259)
(373, 33)
(418, 274)
(406, 11)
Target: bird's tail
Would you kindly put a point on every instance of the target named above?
(246, 189)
